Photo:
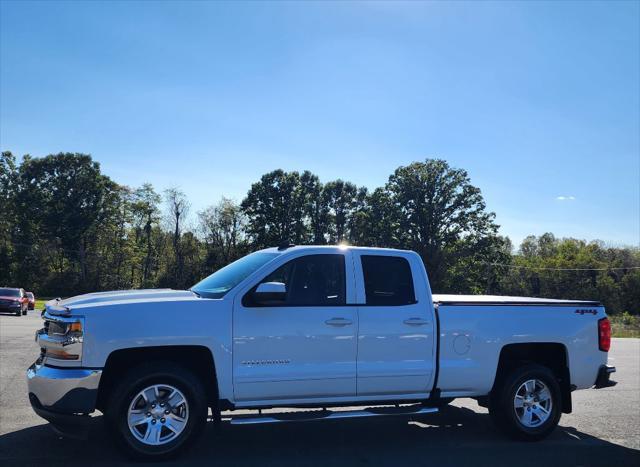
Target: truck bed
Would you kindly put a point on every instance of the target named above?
(482, 300)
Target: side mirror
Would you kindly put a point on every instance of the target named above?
(270, 292)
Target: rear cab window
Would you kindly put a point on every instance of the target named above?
(387, 280)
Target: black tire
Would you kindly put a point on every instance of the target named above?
(19, 312)
(505, 415)
(141, 377)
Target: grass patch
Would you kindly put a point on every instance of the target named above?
(625, 325)
(40, 302)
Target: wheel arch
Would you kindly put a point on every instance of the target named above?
(197, 358)
(552, 355)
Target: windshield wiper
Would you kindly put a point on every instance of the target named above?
(197, 294)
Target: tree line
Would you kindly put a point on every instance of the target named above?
(66, 228)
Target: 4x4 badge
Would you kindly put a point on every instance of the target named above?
(585, 312)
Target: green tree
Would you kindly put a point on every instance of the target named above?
(441, 215)
(277, 208)
(8, 179)
(375, 222)
(317, 210)
(66, 228)
(61, 200)
(145, 207)
(341, 201)
(358, 219)
(112, 254)
(222, 227)
(630, 288)
(177, 210)
(546, 266)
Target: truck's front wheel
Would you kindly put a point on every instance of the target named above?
(157, 410)
(528, 404)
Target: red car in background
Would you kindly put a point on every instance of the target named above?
(13, 300)
(32, 300)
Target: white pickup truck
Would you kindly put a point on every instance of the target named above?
(314, 327)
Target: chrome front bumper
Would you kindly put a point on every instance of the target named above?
(63, 390)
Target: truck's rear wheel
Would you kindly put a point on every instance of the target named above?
(157, 410)
(528, 405)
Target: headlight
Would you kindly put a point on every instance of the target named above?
(61, 338)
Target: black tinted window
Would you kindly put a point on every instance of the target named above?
(10, 292)
(387, 280)
(313, 280)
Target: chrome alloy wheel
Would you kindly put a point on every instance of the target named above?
(532, 403)
(158, 414)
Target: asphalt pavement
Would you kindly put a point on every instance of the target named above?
(603, 430)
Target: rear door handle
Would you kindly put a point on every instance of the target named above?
(338, 322)
(416, 322)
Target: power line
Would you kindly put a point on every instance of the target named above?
(515, 266)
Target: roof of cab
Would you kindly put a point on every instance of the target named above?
(333, 247)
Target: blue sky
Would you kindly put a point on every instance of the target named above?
(540, 102)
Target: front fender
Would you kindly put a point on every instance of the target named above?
(110, 327)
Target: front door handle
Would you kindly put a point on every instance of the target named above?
(416, 322)
(338, 322)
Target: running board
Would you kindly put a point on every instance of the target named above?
(309, 416)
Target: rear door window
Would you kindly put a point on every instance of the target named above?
(387, 280)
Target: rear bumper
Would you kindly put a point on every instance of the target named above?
(604, 374)
(63, 396)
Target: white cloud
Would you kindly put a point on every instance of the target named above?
(565, 198)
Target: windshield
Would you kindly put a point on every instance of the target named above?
(10, 292)
(29, 294)
(223, 280)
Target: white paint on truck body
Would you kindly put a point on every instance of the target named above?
(488, 328)
(270, 356)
